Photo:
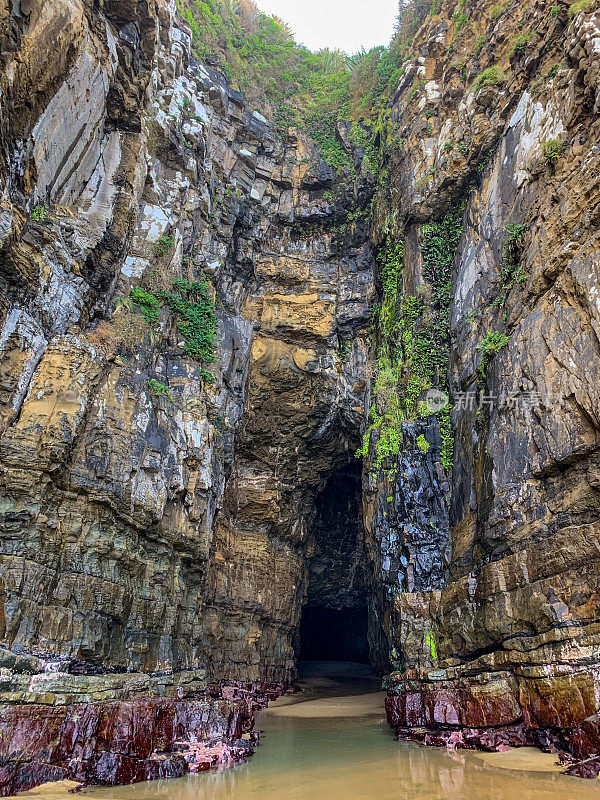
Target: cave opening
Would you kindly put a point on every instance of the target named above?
(329, 634)
(335, 619)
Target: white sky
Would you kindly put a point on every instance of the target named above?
(344, 24)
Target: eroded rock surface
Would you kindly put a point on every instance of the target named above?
(508, 640)
(157, 540)
(139, 528)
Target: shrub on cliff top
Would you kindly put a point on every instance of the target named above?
(287, 82)
(291, 85)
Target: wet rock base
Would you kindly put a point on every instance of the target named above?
(116, 742)
(473, 718)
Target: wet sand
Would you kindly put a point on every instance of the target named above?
(52, 791)
(527, 758)
(364, 705)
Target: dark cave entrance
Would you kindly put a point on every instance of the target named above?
(335, 622)
(329, 634)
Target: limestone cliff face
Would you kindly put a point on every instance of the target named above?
(154, 522)
(156, 525)
(154, 531)
(509, 636)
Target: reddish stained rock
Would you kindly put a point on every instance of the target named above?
(16, 777)
(488, 718)
(118, 770)
(463, 706)
(405, 709)
(121, 742)
(558, 702)
(585, 769)
(28, 734)
(489, 739)
(585, 739)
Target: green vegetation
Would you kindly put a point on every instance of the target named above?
(510, 271)
(492, 343)
(439, 241)
(39, 213)
(146, 303)
(423, 444)
(499, 9)
(582, 5)
(160, 388)
(479, 45)
(459, 16)
(424, 180)
(186, 106)
(430, 639)
(510, 253)
(313, 91)
(343, 351)
(388, 423)
(413, 336)
(293, 86)
(164, 244)
(552, 149)
(490, 77)
(194, 306)
(520, 44)
(553, 71)
(286, 81)
(374, 76)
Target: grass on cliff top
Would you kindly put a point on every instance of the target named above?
(288, 83)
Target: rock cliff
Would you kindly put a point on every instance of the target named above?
(166, 513)
(506, 639)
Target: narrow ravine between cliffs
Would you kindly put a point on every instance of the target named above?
(299, 368)
(331, 740)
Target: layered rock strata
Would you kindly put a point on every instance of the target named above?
(139, 526)
(508, 640)
(154, 523)
(112, 742)
(160, 532)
